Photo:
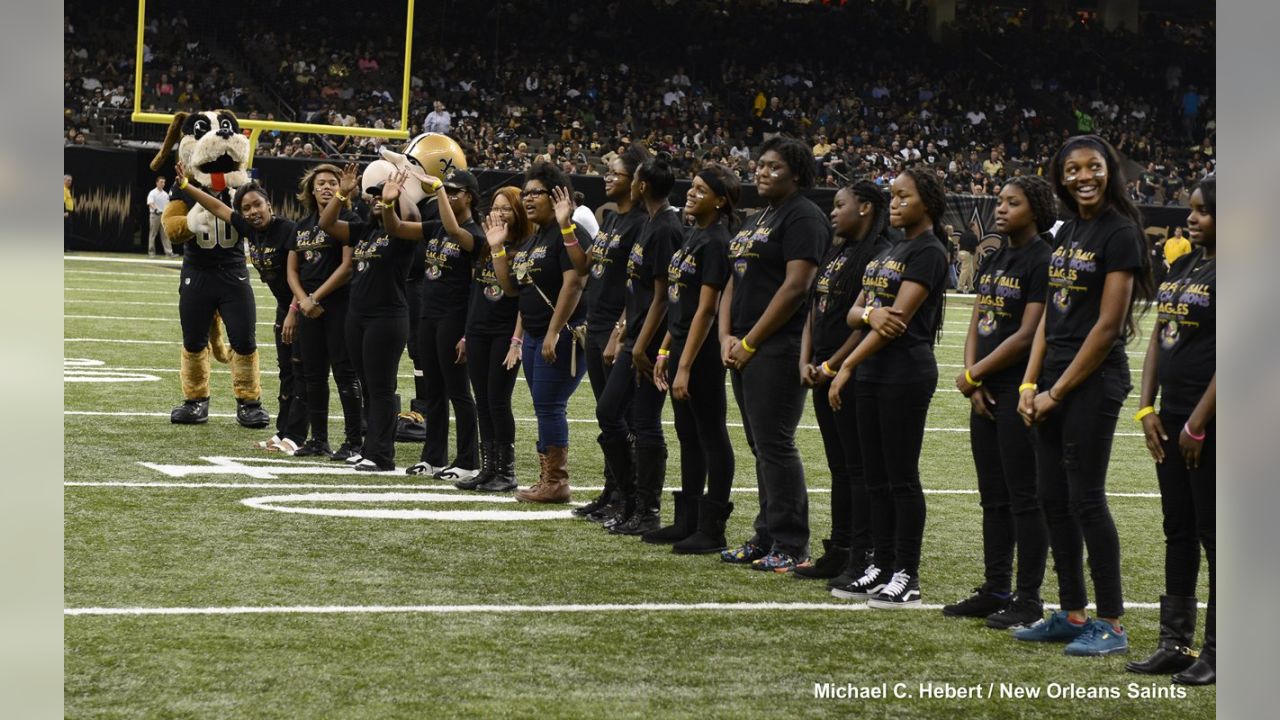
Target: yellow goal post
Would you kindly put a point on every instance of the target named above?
(255, 127)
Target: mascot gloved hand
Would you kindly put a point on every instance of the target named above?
(214, 156)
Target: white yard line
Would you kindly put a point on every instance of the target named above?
(165, 275)
(510, 609)
(593, 421)
(173, 319)
(134, 261)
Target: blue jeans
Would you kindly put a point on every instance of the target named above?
(551, 386)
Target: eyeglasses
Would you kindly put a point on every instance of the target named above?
(612, 174)
(533, 193)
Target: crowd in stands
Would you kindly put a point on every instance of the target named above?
(513, 80)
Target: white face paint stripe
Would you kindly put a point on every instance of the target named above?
(513, 609)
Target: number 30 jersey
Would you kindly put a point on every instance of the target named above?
(220, 246)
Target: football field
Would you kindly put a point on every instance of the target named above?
(205, 578)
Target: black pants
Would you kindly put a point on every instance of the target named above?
(493, 385)
(291, 421)
(375, 345)
(1073, 447)
(705, 451)
(771, 400)
(621, 391)
(1005, 458)
(324, 346)
(413, 295)
(850, 513)
(891, 419)
(1187, 497)
(226, 291)
(597, 372)
(446, 385)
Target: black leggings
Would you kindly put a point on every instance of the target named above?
(324, 346)
(850, 513)
(493, 385)
(291, 421)
(622, 391)
(413, 295)
(705, 452)
(1189, 503)
(375, 345)
(597, 372)
(446, 384)
(1073, 447)
(1005, 459)
(891, 419)
(226, 291)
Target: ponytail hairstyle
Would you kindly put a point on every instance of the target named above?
(934, 196)
(1114, 196)
(718, 176)
(245, 190)
(307, 186)
(633, 157)
(1040, 198)
(657, 172)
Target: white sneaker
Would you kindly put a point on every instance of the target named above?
(453, 473)
(423, 468)
(355, 458)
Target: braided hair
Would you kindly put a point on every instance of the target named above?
(1040, 198)
(934, 196)
(860, 250)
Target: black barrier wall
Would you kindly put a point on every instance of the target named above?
(110, 187)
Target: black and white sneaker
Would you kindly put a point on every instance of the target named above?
(903, 591)
(355, 458)
(344, 452)
(313, 448)
(1022, 611)
(980, 604)
(422, 468)
(863, 588)
(367, 465)
(455, 474)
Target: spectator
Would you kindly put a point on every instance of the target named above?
(439, 120)
(1175, 247)
(968, 258)
(157, 199)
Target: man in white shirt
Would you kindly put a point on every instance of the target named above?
(156, 200)
(439, 120)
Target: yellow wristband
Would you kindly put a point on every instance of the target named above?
(183, 183)
(663, 352)
(500, 253)
(969, 379)
(1148, 410)
(747, 347)
(826, 369)
(1025, 387)
(569, 230)
(866, 315)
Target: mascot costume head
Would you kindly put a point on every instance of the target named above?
(213, 153)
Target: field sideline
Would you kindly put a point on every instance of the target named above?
(206, 579)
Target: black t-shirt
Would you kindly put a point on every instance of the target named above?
(758, 256)
(650, 255)
(540, 263)
(379, 271)
(269, 253)
(221, 245)
(490, 312)
(1084, 252)
(831, 304)
(447, 278)
(606, 284)
(1186, 326)
(318, 253)
(909, 357)
(703, 259)
(1008, 280)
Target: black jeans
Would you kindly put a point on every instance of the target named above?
(413, 295)
(771, 400)
(1005, 458)
(891, 418)
(705, 451)
(1187, 497)
(597, 372)
(324, 346)
(622, 391)
(446, 384)
(375, 345)
(493, 385)
(291, 421)
(1073, 447)
(226, 291)
(850, 512)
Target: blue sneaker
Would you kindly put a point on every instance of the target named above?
(1099, 638)
(745, 555)
(1055, 628)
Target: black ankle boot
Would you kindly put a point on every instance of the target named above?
(1177, 627)
(651, 470)
(620, 463)
(835, 558)
(684, 524)
(599, 503)
(1204, 671)
(488, 458)
(503, 478)
(709, 537)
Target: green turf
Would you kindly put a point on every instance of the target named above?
(201, 547)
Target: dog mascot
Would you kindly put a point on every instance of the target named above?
(214, 155)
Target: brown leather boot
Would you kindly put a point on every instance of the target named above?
(535, 490)
(553, 487)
